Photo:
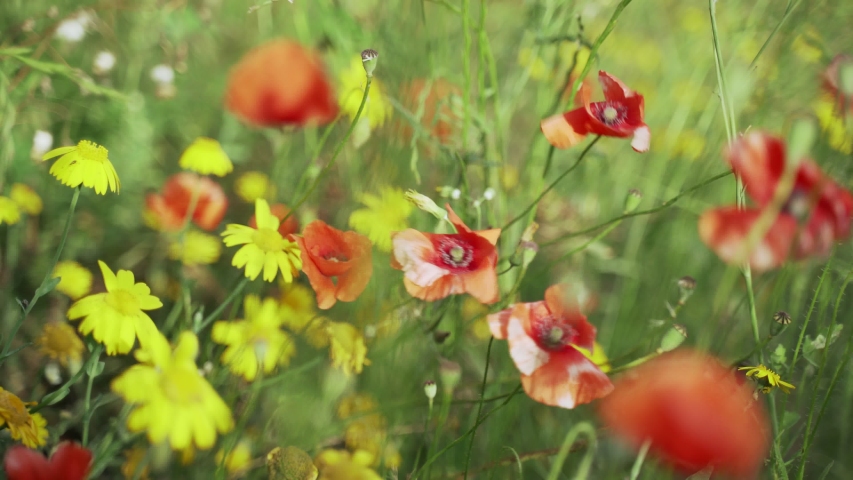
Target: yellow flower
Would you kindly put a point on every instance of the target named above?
(376, 108)
(838, 136)
(538, 68)
(297, 306)
(116, 318)
(28, 428)
(87, 164)
(474, 313)
(206, 156)
(239, 459)
(10, 214)
(257, 340)
(343, 465)
(59, 341)
(132, 459)
(26, 198)
(76, 280)
(356, 403)
(346, 347)
(384, 215)
(597, 356)
(263, 247)
(251, 186)
(172, 401)
(771, 378)
(196, 248)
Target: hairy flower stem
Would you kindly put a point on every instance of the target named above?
(479, 407)
(48, 283)
(586, 463)
(92, 372)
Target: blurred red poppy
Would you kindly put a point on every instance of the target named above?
(70, 461)
(281, 83)
(167, 211)
(542, 338)
(438, 265)
(432, 98)
(815, 216)
(832, 80)
(327, 254)
(619, 115)
(287, 227)
(694, 411)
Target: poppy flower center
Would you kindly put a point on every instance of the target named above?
(799, 205)
(609, 113)
(267, 239)
(455, 253)
(335, 257)
(552, 335)
(123, 302)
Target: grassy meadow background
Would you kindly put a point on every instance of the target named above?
(510, 61)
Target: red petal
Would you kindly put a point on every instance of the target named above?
(455, 220)
(567, 129)
(725, 231)
(614, 89)
(71, 462)
(323, 286)
(498, 323)
(564, 304)
(568, 379)
(758, 159)
(21, 463)
(352, 283)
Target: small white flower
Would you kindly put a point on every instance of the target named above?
(104, 62)
(42, 143)
(163, 74)
(455, 194)
(489, 194)
(71, 30)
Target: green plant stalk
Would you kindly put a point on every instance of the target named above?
(336, 152)
(585, 244)
(809, 316)
(230, 298)
(87, 403)
(641, 458)
(479, 407)
(303, 178)
(586, 462)
(466, 71)
(788, 9)
(442, 418)
(257, 386)
(47, 277)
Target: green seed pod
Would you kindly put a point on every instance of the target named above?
(290, 463)
(673, 338)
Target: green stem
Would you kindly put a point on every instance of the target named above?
(586, 463)
(48, 277)
(87, 403)
(479, 407)
(317, 151)
(466, 66)
(641, 457)
(788, 9)
(826, 269)
(215, 313)
(257, 385)
(583, 246)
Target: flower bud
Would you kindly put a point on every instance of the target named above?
(673, 338)
(489, 194)
(369, 59)
(426, 204)
(290, 463)
(686, 286)
(632, 201)
(430, 389)
(527, 249)
(450, 374)
(781, 320)
(439, 336)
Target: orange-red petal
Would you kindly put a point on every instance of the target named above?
(567, 380)
(725, 230)
(566, 130)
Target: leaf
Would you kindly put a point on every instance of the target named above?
(14, 51)
(55, 397)
(703, 474)
(47, 286)
(789, 419)
(95, 369)
(826, 470)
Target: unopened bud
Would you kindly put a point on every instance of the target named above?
(632, 201)
(489, 194)
(781, 320)
(444, 191)
(369, 59)
(456, 194)
(527, 236)
(290, 463)
(426, 204)
(430, 389)
(673, 338)
(439, 336)
(527, 249)
(686, 285)
(450, 374)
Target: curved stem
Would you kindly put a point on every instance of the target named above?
(215, 313)
(586, 463)
(479, 407)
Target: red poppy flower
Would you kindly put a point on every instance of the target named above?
(695, 413)
(832, 79)
(329, 253)
(281, 83)
(619, 115)
(542, 338)
(438, 265)
(167, 211)
(69, 462)
(287, 227)
(816, 215)
(433, 96)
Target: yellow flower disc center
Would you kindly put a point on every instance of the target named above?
(123, 302)
(182, 385)
(13, 409)
(92, 151)
(268, 240)
(610, 113)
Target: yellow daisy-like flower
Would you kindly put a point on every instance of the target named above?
(196, 248)
(116, 318)
(297, 304)
(376, 109)
(343, 465)
(76, 280)
(597, 356)
(87, 164)
(257, 341)
(263, 247)
(206, 156)
(132, 459)
(384, 215)
(10, 214)
(59, 341)
(346, 347)
(772, 378)
(251, 186)
(837, 133)
(26, 198)
(239, 459)
(172, 401)
(28, 428)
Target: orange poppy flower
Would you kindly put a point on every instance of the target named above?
(329, 253)
(438, 265)
(542, 338)
(695, 411)
(287, 227)
(438, 116)
(167, 211)
(281, 83)
(70, 461)
(619, 115)
(832, 79)
(816, 215)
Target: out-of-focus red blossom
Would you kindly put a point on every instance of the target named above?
(832, 79)
(438, 116)
(816, 215)
(70, 461)
(287, 227)
(167, 211)
(542, 337)
(619, 115)
(329, 253)
(438, 265)
(281, 83)
(695, 412)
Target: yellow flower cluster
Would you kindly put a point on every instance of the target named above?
(367, 433)
(28, 428)
(263, 248)
(770, 378)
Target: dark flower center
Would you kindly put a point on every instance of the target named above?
(609, 113)
(799, 205)
(553, 335)
(335, 257)
(455, 253)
